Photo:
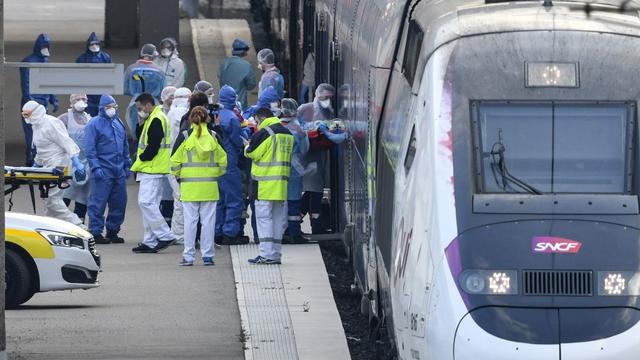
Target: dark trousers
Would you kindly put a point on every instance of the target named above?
(79, 209)
(294, 217)
(312, 205)
(28, 140)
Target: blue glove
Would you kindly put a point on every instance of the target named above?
(323, 128)
(127, 172)
(77, 164)
(80, 175)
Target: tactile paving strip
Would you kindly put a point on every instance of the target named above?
(263, 306)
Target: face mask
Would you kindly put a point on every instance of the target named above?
(166, 52)
(79, 106)
(111, 112)
(143, 114)
(210, 98)
(260, 67)
(45, 52)
(325, 103)
(94, 48)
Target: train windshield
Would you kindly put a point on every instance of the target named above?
(546, 148)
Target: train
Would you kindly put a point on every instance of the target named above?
(488, 194)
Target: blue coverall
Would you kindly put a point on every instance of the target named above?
(43, 99)
(107, 151)
(230, 205)
(141, 76)
(89, 56)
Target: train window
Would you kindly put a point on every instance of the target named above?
(411, 151)
(554, 148)
(412, 51)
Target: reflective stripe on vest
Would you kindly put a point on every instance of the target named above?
(195, 164)
(166, 141)
(274, 157)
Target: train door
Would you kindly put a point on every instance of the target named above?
(323, 30)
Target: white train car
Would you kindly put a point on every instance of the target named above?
(492, 176)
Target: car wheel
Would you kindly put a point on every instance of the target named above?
(18, 280)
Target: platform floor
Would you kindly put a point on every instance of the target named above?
(149, 308)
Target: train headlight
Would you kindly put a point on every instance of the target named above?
(489, 282)
(618, 283)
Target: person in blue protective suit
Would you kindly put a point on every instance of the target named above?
(269, 99)
(41, 52)
(75, 120)
(271, 75)
(142, 76)
(230, 205)
(238, 72)
(93, 55)
(107, 151)
(289, 119)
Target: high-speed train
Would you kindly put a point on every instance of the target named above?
(491, 181)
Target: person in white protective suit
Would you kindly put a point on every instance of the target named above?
(76, 119)
(166, 96)
(54, 148)
(175, 71)
(179, 108)
(166, 204)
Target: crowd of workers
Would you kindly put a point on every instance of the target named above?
(200, 162)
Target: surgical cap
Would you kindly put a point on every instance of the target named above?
(77, 97)
(239, 47)
(289, 107)
(325, 89)
(202, 86)
(167, 92)
(266, 56)
(148, 50)
(182, 92)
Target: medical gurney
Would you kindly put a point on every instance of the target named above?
(44, 178)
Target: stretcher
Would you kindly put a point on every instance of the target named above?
(44, 178)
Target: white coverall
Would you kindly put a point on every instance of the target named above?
(174, 69)
(179, 107)
(54, 148)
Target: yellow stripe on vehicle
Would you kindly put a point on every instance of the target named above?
(32, 242)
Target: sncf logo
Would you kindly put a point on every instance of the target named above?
(552, 244)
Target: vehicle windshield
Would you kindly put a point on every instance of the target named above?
(554, 148)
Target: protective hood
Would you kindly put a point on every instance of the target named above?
(93, 39)
(268, 96)
(173, 42)
(104, 101)
(240, 47)
(227, 97)
(38, 112)
(41, 42)
(181, 98)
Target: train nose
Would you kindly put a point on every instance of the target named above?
(499, 333)
(533, 333)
